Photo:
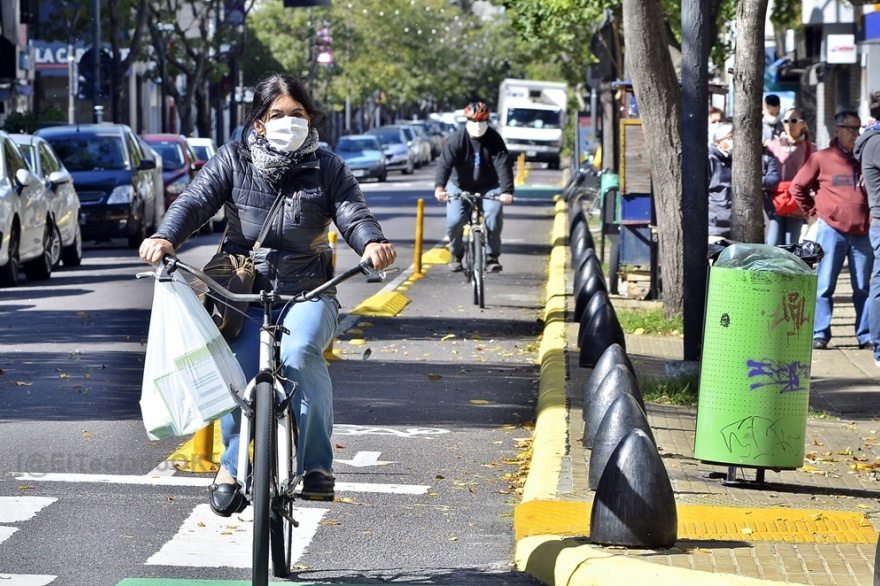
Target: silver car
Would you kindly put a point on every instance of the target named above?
(61, 195)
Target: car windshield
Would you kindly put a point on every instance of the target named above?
(532, 118)
(386, 138)
(356, 144)
(202, 152)
(89, 153)
(171, 153)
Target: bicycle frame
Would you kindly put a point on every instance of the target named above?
(475, 247)
(271, 425)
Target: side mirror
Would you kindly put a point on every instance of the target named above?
(147, 164)
(59, 177)
(198, 165)
(24, 177)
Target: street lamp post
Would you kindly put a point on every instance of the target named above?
(163, 34)
(69, 24)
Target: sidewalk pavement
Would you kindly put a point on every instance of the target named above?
(817, 524)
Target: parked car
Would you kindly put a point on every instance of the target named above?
(364, 156)
(178, 163)
(422, 142)
(61, 195)
(112, 175)
(26, 230)
(205, 149)
(435, 136)
(158, 210)
(398, 154)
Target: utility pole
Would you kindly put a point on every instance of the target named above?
(70, 19)
(96, 62)
(695, 153)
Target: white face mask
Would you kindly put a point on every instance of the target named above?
(476, 129)
(288, 133)
(771, 119)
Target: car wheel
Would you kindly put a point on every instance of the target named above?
(9, 271)
(40, 268)
(55, 246)
(383, 176)
(408, 170)
(71, 255)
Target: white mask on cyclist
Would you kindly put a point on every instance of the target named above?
(476, 129)
(287, 134)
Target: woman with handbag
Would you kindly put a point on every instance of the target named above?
(281, 193)
(791, 150)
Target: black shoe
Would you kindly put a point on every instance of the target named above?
(820, 344)
(866, 346)
(455, 264)
(318, 486)
(226, 499)
(492, 265)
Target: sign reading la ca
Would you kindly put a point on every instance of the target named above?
(54, 54)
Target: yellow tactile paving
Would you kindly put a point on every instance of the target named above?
(709, 523)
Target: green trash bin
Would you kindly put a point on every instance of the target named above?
(757, 351)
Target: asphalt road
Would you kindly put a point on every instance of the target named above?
(429, 424)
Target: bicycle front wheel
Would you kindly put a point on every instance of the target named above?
(281, 515)
(264, 465)
(479, 273)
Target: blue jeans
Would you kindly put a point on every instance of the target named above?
(839, 247)
(874, 294)
(312, 325)
(458, 213)
(784, 230)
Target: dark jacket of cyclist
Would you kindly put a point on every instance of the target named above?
(475, 160)
(278, 156)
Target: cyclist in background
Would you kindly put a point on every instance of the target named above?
(278, 157)
(474, 159)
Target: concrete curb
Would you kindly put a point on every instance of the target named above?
(555, 559)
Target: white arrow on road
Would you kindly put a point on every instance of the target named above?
(364, 459)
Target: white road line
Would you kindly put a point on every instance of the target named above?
(14, 509)
(208, 541)
(26, 579)
(6, 533)
(203, 481)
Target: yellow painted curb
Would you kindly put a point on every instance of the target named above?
(385, 304)
(709, 523)
(436, 256)
(557, 560)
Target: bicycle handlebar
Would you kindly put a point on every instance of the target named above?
(172, 263)
(473, 196)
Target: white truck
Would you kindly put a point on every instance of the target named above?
(532, 118)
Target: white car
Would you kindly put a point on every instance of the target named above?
(26, 231)
(62, 197)
(205, 149)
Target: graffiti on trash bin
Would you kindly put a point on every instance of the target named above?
(790, 313)
(756, 437)
(789, 377)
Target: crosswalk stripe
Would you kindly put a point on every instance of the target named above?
(208, 541)
(26, 579)
(14, 509)
(6, 533)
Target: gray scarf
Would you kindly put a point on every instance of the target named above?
(275, 164)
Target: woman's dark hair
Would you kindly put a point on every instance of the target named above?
(271, 88)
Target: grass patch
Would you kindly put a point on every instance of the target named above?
(681, 390)
(650, 322)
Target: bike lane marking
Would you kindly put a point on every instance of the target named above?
(26, 579)
(16, 509)
(205, 540)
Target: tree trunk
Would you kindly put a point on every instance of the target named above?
(747, 215)
(659, 97)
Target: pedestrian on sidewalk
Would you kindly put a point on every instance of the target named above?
(829, 187)
(771, 125)
(867, 151)
(720, 181)
(475, 160)
(791, 149)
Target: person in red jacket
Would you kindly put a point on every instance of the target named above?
(829, 187)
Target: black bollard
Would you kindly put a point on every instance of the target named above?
(624, 415)
(601, 331)
(614, 355)
(634, 505)
(584, 294)
(587, 267)
(580, 241)
(877, 565)
(585, 307)
(577, 216)
(619, 381)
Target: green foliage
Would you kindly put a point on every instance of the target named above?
(786, 14)
(21, 122)
(681, 390)
(650, 322)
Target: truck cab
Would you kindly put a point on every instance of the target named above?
(532, 118)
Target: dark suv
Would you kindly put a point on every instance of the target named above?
(112, 176)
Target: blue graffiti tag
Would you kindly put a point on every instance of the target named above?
(787, 376)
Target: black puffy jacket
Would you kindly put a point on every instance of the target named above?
(295, 255)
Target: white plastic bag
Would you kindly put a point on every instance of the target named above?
(188, 367)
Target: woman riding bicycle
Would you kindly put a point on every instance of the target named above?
(474, 159)
(278, 156)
